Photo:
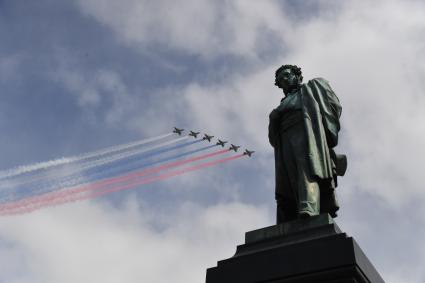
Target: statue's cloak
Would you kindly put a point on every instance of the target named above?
(321, 112)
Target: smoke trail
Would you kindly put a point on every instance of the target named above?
(74, 177)
(91, 194)
(114, 171)
(70, 191)
(145, 153)
(64, 160)
(149, 153)
(163, 176)
(132, 165)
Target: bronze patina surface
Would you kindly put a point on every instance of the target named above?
(303, 130)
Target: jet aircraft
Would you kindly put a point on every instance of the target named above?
(194, 134)
(207, 137)
(248, 152)
(178, 131)
(234, 147)
(220, 142)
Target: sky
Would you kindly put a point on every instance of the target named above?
(77, 76)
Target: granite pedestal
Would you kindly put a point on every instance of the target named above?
(312, 250)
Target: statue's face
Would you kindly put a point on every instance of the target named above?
(287, 80)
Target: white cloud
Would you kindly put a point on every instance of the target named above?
(88, 242)
(199, 27)
(237, 108)
(9, 67)
(101, 93)
(369, 53)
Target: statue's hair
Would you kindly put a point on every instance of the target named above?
(297, 70)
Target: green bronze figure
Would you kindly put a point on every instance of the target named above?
(303, 130)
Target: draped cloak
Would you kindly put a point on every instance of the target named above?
(321, 112)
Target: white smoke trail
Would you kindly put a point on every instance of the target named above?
(79, 179)
(66, 160)
(90, 191)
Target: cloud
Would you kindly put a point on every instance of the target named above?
(101, 94)
(370, 58)
(205, 28)
(369, 53)
(91, 242)
(9, 66)
(237, 107)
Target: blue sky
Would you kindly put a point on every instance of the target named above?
(76, 76)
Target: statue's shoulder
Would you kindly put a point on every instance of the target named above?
(319, 81)
(321, 85)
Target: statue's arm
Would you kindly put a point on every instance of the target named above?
(273, 127)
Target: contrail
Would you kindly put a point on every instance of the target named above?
(74, 179)
(149, 152)
(139, 163)
(70, 181)
(98, 193)
(65, 160)
(163, 176)
(154, 150)
(93, 186)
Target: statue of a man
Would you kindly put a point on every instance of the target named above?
(304, 130)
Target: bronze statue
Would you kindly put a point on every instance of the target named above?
(304, 130)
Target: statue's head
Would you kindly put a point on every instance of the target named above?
(288, 78)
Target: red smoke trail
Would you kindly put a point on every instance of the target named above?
(64, 160)
(90, 195)
(161, 177)
(65, 192)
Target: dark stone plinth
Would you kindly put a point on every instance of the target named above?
(310, 250)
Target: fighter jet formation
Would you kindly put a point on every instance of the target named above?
(209, 139)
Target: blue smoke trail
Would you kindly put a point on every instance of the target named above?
(142, 156)
(135, 165)
(131, 163)
(41, 180)
(31, 168)
(86, 161)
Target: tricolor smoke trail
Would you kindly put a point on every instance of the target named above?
(133, 165)
(100, 184)
(105, 158)
(163, 176)
(76, 180)
(27, 188)
(118, 187)
(74, 176)
(65, 160)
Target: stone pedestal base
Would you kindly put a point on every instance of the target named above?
(312, 250)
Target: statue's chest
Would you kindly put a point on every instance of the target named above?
(291, 103)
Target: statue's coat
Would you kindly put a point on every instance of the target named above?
(321, 111)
